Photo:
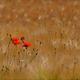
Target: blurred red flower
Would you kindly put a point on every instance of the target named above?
(26, 44)
(15, 40)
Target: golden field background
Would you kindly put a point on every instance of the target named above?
(53, 27)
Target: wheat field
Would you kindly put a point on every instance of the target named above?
(53, 28)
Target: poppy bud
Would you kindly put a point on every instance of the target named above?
(22, 38)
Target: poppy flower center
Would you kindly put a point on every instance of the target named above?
(26, 44)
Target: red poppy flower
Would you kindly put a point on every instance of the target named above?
(15, 40)
(26, 44)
